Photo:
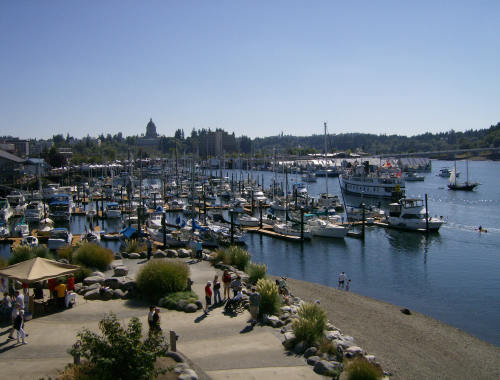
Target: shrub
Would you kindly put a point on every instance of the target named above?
(85, 371)
(270, 301)
(65, 253)
(42, 251)
(311, 323)
(83, 273)
(135, 245)
(120, 353)
(220, 255)
(171, 300)
(238, 257)
(256, 272)
(3, 263)
(21, 253)
(93, 255)
(361, 369)
(160, 277)
(326, 347)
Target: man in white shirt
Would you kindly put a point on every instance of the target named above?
(342, 280)
(19, 300)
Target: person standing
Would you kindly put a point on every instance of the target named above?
(199, 250)
(254, 300)
(217, 289)
(342, 280)
(61, 295)
(52, 283)
(70, 283)
(208, 297)
(156, 320)
(226, 280)
(150, 317)
(18, 325)
(149, 245)
(347, 285)
(19, 300)
(24, 285)
(192, 245)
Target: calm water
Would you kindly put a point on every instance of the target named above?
(452, 275)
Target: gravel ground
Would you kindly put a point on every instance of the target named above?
(408, 346)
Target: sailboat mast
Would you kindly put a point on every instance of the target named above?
(326, 170)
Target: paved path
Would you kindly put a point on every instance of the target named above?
(223, 346)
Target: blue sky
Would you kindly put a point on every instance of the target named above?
(255, 68)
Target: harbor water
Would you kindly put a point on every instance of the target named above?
(452, 275)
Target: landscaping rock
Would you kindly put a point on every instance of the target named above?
(311, 351)
(300, 348)
(331, 335)
(118, 294)
(116, 263)
(126, 295)
(93, 280)
(125, 255)
(64, 261)
(127, 284)
(191, 308)
(93, 286)
(160, 254)
(199, 305)
(92, 295)
(171, 254)
(134, 256)
(78, 287)
(285, 316)
(181, 367)
(118, 256)
(188, 374)
(108, 294)
(286, 328)
(218, 265)
(182, 253)
(143, 255)
(322, 367)
(312, 360)
(289, 335)
(97, 273)
(354, 350)
(176, 356)
(181, 305)
(121, 271)
(272, 320)
(330, 327)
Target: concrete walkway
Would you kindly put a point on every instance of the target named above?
(223, 346)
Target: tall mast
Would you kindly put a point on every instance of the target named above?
(326, 170)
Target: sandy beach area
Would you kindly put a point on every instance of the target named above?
(408, 346)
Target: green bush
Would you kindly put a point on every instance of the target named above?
(311, 324)
(361, 369)
(327, 347)
(220, 255)
(238, 257)
(270, 301)
(160, 277)
(83, 273)
(3, 263)
(65, 252)
(43, 252)
(135, 246)
(256, 272)
(120, 353)
(21, 253)
(93, 255)
(171, 300)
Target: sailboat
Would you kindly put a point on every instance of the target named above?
(465, 186)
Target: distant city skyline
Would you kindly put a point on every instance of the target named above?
(253, 68)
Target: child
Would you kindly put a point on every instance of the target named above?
(347, 285)
(150, 317)
(18, 325)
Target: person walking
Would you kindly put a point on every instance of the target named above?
(18, 326)
(347, 285)
(226, 280)
(150, 317)
(149, 245)
(14, 314)
(208, 297)
(254, 300)
(156, 320)
(342, 280)
(217, 285)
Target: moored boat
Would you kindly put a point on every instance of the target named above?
(411, 214)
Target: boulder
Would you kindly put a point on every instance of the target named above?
(181, 305)
(171, 254)
(330, 327)
(93, 286)
(93, 280)
(64, 261)
(97, 273)
(370, 358)
(311, 351)
(322, 367)
(134, 256)
(191, 308)
(300, 348)
(188, 374)
(289, 335)
(160, 254)
(199, 305)
(286, 309)
(78, 287)
(125, 255)
(108, 294)
(94, 294)
(312, 360)
(113, 283)
(286, 328)
(118, 294)
(127, 284)
(126, 295)
(272, 320)
(176, 356)
(121, 271)
(348, 338)
(181, 367)
(285, 316)
(354, 350)
(331, 335)
(143, 255)
(108, 268)
(288, 321)
(182, 253)
(218, 265)
(116, 263)
(118, 256)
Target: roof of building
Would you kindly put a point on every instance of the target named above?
(11, 157)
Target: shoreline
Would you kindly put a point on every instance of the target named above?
(408, 346)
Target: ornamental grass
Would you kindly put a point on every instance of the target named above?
(256, 272)
(311, 324)
(270, 301)
(162, 276)
(93, 255)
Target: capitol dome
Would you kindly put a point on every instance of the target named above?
(151, 130)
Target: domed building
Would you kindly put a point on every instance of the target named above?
(151, 137)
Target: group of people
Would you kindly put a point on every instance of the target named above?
(154, 319)
(344, 282)
(58, 289)
(196, 248)
(15, 306)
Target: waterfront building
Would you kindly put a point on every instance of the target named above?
(215, 143)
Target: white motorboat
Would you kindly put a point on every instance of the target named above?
(300, 189)
(59, 237)
(290, 230)
(446, 173)
(413, 177)
(45, 226)
(30, 241)
(411, 214)
(259, 196)
(189, 210)
(21, 229)
(34, 212)
(237, 206)
(6, 210)
(309, 177)
(17, 202)
(60, 207)
(155, 219)
(51, 190)
(356, 212)
(247, 220)
(278, 204)
(270, 219)
(320, 227)
(4, 231)
(112, 210)
(90, 237)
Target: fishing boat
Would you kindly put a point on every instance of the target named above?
(464, 186)
(59, 237)
(411, 214)
(320, 227)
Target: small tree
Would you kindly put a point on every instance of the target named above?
(120, 353)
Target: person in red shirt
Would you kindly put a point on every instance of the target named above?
(24, 285)
(70, 283)
(208, 297)
(52, 283)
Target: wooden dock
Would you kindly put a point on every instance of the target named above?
(268, 231)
